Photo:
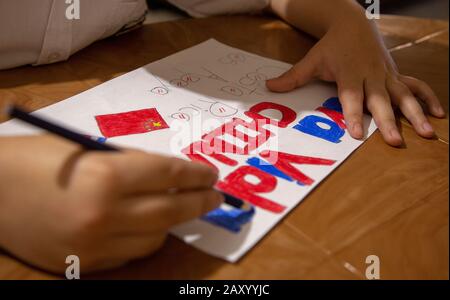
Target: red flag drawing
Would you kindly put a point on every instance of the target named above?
(132, 122)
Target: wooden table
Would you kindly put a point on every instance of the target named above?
(389, 202)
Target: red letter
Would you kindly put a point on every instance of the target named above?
(214, 144)
(288, 115)
(236, 185)
(193, 152)
(283, 162)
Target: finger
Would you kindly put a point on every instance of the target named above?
(351, 95)
(129, 247)
(139, 172)
(379, 104)
(423, 91)
(410, 108)
(121, 249)
(297, 76)
(146, 214)
(87, 266)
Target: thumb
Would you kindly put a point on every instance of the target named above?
(297, 76)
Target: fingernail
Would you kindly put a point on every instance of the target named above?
(214, 179)
(214, 202)
(215, 171)
(440, 111)
(395, 134)
(427, 127)
(358, 130)
(219, 200)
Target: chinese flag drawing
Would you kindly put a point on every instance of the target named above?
(132, 122)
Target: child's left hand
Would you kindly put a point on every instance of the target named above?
(353, 55)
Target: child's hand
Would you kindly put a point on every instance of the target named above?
(352, 54)
(107, 208)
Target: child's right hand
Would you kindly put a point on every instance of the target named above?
(57, 200)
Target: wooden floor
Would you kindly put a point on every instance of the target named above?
(382, 201)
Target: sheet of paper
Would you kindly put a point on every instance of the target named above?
(285, 144)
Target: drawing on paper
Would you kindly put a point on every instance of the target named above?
(233, 59)
(215, 108)
(161, 89)
(132, 122)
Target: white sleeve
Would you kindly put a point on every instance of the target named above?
(204, 8)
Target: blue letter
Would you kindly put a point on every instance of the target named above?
(333, 104)
(309, 126)
(232, 220)
(268, 168)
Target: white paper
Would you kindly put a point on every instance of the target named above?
(221, 83)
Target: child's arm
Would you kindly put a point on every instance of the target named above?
(351, 53)
(57, 200)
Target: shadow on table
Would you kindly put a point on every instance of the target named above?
(175, 261)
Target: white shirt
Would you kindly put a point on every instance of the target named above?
(39, 32)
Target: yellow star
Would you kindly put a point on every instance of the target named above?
(156, 124)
